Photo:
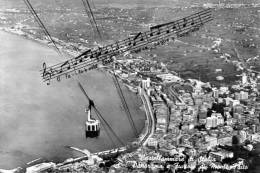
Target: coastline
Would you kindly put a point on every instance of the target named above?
(27, 37)
(59, 85)
(43, 43)
(214, 127)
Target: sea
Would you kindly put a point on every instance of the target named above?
(39, 120)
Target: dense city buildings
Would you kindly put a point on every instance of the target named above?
(197, 126)
(201, 116)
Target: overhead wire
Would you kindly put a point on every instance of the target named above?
(125, 106)
(38, 20)
(100, 116)
(165, 34)
(95, 27)
(138, 46)
(91, 17)
(93, 4)
(105, 128)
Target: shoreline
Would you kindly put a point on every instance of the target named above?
(38, 41)
(125, 87)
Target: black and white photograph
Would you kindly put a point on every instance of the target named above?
(129, 86)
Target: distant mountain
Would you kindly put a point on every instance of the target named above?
(121, 3)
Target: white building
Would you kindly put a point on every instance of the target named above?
(168, 77)
(215, 92)
(244, 78)
(220, 119)
(225, 140)
(146, 83)
(243, 95)
(234, 102)
(152, 142)
(211, 141)
(220, 155)
(40, 167)
(243, 135)
(223, 90)
(228, 100)
(211, 121)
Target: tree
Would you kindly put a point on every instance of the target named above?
(235, 140)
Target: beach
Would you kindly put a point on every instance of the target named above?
(38, 121)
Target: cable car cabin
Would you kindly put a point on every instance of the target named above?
(92, 126)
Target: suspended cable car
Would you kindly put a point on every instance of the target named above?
(92, 126)
(104, 123)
